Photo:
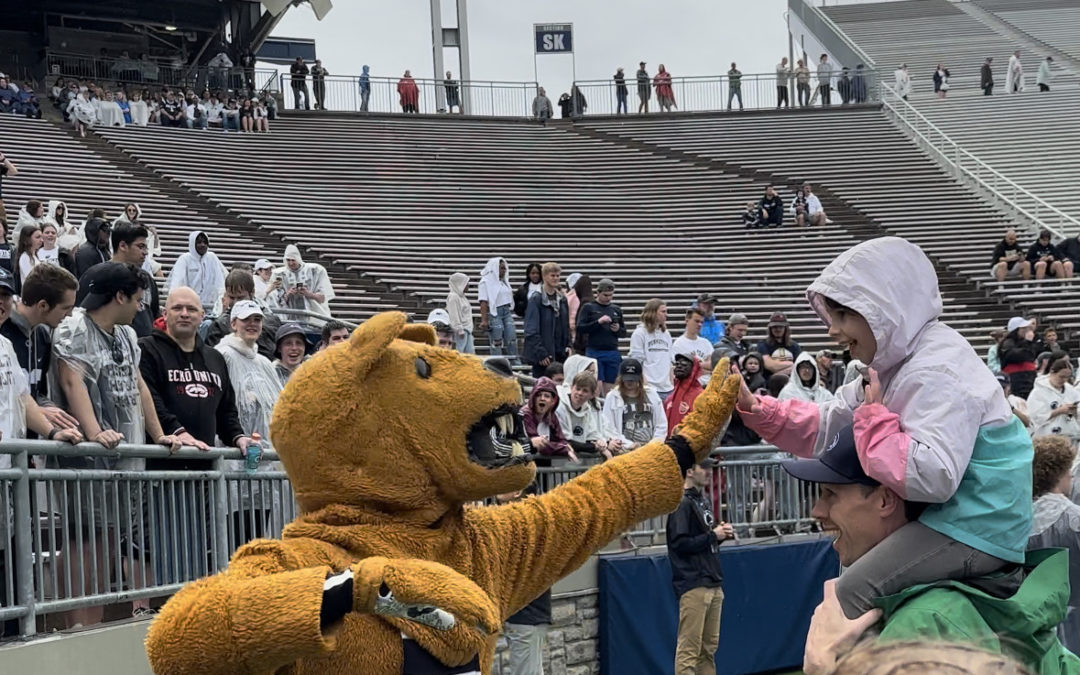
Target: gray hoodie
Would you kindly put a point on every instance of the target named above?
(458, 305)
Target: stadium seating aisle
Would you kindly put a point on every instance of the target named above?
(54, 165)
(408, 202)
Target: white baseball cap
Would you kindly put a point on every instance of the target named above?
(244, 309)
(1018, 322)
(439, 316)
(572, 280)
(263, 264)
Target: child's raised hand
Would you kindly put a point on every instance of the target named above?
(873, 390)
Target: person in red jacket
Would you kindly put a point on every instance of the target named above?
(409, 93)
(686, 368)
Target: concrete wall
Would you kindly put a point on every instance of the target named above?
(118, 649)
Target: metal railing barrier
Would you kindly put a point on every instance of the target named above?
(352, 93)
(107, 71)
(86, 526)
(710, 93)
(966, 167)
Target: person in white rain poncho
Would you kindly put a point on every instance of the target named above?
(903, 81)
(69, 232)
(1053, 401)
(1056, 521)
(200, 270)
(304, 286)
(257, 386)
(97, 378)
(1014, 78)
(805, 384)
(82, 112)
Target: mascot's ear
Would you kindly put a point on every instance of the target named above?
(371, 339)
(419, 332)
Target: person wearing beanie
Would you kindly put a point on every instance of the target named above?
(291, 350)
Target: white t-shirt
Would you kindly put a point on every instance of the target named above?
(13, 385)
(699, 345)
(52, 257)
(654, 352)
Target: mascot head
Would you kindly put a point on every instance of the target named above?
(389, 422)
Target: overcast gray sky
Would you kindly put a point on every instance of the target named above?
(691, 37)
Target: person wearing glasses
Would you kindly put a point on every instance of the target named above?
(130, 245)
(96, 379)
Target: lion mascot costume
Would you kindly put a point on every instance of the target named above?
(386, 438)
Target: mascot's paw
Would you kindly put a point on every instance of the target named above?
(422, 591)
(712, 410)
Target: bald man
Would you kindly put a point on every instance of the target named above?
(188, 380)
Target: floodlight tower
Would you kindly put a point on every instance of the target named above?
(455, 37)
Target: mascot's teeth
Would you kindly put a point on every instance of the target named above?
(505, 424)
(515, 449)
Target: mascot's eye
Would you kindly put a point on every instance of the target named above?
(422, 368)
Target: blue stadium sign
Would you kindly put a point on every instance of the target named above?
(554, 38)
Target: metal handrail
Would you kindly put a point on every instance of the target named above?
(949, 153)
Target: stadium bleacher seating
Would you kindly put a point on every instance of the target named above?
(54, 165)
(1053, 22)
(924, 33)
(896, 186)
(407, 202)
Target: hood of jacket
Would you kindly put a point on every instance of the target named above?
(123, 218)
(575, 364)
(91, 230)
(898, 305)
(192, 236)
(805, 357)
(544, 384)
(54, 204)
(491, 270)
(459, 281)
(1029, 615)
(682, 386)
(292, 253)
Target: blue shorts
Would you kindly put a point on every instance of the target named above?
(607, 363)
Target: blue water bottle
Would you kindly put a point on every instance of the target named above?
(253, 454)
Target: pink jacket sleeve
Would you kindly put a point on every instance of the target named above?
(790, 425)
(882, 446)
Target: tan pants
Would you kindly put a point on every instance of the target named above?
(699, 631)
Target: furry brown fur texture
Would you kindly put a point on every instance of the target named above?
(377, 458)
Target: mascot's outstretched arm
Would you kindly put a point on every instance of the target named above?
(547, 537)
(260, 615)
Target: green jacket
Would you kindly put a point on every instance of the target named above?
(1021, 625)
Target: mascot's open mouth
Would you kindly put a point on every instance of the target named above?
(499, 440)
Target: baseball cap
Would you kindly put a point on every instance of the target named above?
(1018, 322)
(707, 297)
(572, 280)
(263, 264)
(738, 320)
(287, 329)
(439, 316)
(837, 464)
(630, 370)
(245, 309)
(778, 319)
(7, 280)
(104, 280)
(683, 348)
(605, 284)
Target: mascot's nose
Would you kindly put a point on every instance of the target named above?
(499, 366)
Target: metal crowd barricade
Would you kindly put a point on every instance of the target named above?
(711, 93)
(85, 526)
(110, 531)
(343, 93)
